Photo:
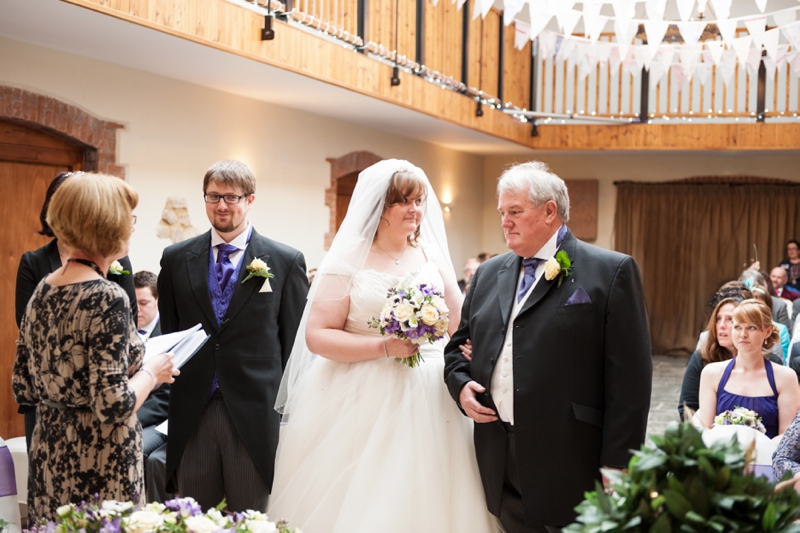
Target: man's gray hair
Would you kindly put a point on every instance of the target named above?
(539, 182)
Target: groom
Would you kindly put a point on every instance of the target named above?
(559, 382)
(223, 430)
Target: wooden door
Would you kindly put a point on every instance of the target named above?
(29, 160)
(344, 191)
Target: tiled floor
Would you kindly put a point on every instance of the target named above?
(667, 378)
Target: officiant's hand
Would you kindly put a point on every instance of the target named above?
(400, 348)
(470, 404)
(163, 368)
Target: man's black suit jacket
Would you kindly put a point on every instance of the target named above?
(582, 376)
(38, 264)
(155, 408)
(248, 350)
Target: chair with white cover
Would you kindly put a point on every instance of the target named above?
(9, 503)
(765, 447)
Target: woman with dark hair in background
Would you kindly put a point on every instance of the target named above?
(36, 264)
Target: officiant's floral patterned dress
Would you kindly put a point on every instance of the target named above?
(77, 347)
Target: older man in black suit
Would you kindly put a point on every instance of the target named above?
(248, 292)
(560, 376)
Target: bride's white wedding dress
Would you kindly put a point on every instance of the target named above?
(377, 446)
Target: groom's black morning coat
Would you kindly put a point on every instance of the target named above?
(582, 376)
(248, 350)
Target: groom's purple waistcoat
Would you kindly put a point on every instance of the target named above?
(220, 299)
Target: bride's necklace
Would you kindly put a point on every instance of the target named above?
(395, 259)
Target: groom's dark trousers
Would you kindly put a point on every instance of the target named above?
(582, 377)
(235, 429)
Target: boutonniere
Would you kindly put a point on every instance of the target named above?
(559, 266)
(258, 268)
(116, 269)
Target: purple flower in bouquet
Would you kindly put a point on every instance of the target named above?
(184, 507)
(417, 313)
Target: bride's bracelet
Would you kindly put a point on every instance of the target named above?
(384, 349)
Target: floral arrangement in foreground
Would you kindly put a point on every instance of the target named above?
(739, 416)
(678, 484)
(181, 515)
(417, 313)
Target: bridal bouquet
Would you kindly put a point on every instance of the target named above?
(181, 515)
(417, 313)
(739, 416)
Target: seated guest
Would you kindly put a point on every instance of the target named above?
(156, 408)
(470, 266)
(750, 380)
(79, 358)
(787, 456)
(753, 279)
(718, 344)
(36, 264)
(779, 278)
(792, 264)
(783, 331)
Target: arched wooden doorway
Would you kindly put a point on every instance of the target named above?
(344, 174)
(39, 137)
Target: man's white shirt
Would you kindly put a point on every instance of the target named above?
(240, 242)
(502, 386)
(148, 329)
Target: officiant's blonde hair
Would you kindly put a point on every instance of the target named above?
(93, 213)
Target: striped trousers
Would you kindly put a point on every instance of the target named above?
(216, 465)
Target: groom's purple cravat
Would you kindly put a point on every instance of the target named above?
(529, 277)
(224, 267)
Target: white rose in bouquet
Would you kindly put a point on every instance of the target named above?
(403, 311)
(260, 526)
(144, 522)
(429, 314)
(200, 524)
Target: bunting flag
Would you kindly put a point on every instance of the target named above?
(691, 31)
(742, 48)
(785, 17)
(625, 32)
(655, 9)
(666, 55)
(624, 9)
(722, 8)
(510, 10)
(679, 75)
(703, 72)
(521, 34)
(482, 8)
(756, 28)
(753, 61)
(685, 8)
(769, 66)
(596, 28)
(792, 34)
(762, 5)
(657, 71)
(614, 60)
(770, 42)
(547, 43)
(567, 20)
(727, 29)
(715, 50)
(727, 66)
(655, 30)
(689, 55)
(460, 4)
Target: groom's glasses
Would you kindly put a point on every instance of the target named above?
(229, 198)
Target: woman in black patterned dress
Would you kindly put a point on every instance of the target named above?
(79, 358)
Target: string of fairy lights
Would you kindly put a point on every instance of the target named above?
(377, 52)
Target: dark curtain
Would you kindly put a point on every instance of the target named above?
(690, 238)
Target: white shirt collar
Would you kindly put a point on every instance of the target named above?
(549, 249)
(148, 329)
(240, 241)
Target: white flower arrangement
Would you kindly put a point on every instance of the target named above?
(739, 416)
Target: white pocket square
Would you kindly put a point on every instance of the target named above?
(265, 287)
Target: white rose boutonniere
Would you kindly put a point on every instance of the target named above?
(559, 267)
(116, 269)
(259, 268)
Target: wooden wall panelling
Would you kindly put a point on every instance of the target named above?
(484, 51)
(583, 201)
(516, 72)
(443, 38)
(382, 24)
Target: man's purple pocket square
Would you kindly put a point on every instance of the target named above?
(579, 297)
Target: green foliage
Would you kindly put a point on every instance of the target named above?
(677, 484)
(3, 525)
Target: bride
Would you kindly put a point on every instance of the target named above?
(372, 444)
